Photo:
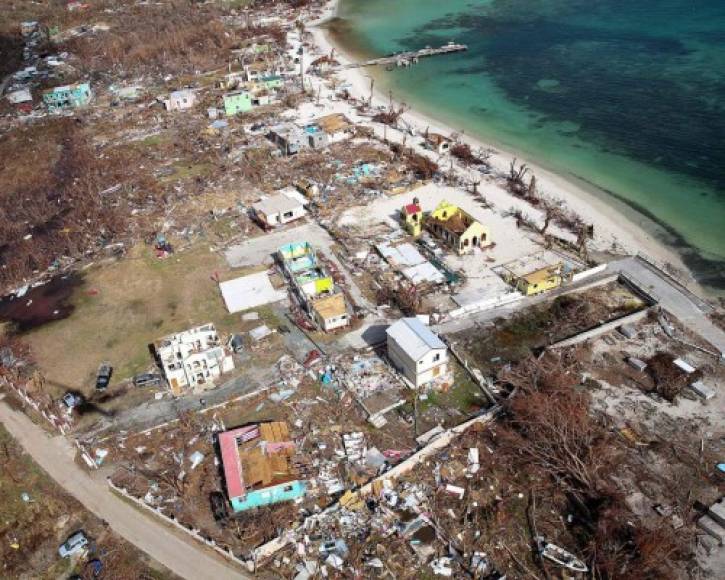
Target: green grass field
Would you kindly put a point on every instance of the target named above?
(122, 308)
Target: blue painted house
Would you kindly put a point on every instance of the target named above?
(67, 97)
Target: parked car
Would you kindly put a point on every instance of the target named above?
(104, 376)
(236, 342)
(72, 400)
(147, 380)
(74, 544)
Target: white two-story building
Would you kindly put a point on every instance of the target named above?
(193, 358)
(416, 352)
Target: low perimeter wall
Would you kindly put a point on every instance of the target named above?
(599, 330)
(61, 424)
(267, 550)
(194, 533)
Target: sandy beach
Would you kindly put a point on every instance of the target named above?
(614, 231)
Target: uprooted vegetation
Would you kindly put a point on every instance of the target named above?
(521, 182)
(55, 205)
(172, 37)
(49, 13)
(548, 426)
(464, 153)
(391, 116)
(513, 339)
(422, 167)
(669, 379)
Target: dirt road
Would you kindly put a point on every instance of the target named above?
(167, 546)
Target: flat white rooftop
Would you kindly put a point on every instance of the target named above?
(249, 292)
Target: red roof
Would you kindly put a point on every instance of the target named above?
(412, 208)
(229, 446)
(229, 443)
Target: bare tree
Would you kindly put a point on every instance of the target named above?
(549, 424)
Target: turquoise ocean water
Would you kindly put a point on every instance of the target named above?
(628, 96)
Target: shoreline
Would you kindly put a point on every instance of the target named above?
(615, 221)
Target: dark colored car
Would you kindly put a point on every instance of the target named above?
(147, 380)
(237, 343)
(103, 378)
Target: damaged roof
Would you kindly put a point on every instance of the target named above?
(256, 456)
(330, 306)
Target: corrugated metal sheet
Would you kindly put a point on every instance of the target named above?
(401, 256)
(229, 447)
(424, 273)
(414, 338)
(411, 255)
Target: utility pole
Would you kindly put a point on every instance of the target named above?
(372, 85)
(300, 26)
(301, 54)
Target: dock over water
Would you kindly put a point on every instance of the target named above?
(409, 57)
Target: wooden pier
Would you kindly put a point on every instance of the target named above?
(410, 57)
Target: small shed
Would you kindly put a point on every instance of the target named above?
(180, 100)
(316, 137)
(684, 366)
(236, 343)
(330, 312)
(637, 364)
(628, 330)
(412, 216)
(19, 96)
(702, 390)
(278, 210)
(438, 143)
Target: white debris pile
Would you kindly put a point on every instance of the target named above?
(355, 449)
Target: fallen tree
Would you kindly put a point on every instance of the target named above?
(547, 426)
(64, 204)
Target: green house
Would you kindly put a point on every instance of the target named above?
(67, 97)
(261, 48)
(271, 82)
(239, 102)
